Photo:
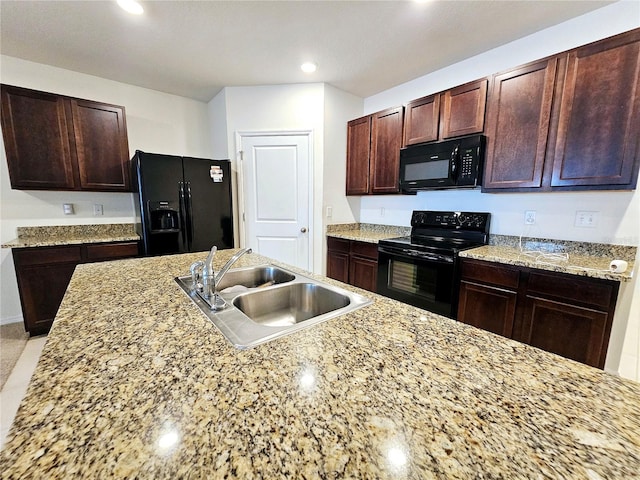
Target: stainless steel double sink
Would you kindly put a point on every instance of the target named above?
(267, 302)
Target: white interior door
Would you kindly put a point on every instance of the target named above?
(276, 188)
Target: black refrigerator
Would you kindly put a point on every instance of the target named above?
(184, 203)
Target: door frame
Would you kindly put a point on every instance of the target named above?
(240, 134)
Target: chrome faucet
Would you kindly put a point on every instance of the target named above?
(227, 266)
(204, 270)
(209, 275)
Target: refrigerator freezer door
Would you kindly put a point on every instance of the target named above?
(159, 180)
(209, 199)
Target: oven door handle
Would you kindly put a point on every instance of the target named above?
(416, 255)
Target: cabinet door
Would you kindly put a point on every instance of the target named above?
(386, 141)
(568, 330)
(363, 273)
(101, 145)
(518, 126)
(487, 307)
(463, 109)
(43, 276)
(338, 266)
(35, 130)
(358, 147)
(597, 142)
(421, 120)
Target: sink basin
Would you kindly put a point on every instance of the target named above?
(289, 304)
(268, 311)
(255, 277)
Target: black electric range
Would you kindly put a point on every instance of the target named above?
(422, 269)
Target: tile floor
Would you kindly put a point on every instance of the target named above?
(17, 383)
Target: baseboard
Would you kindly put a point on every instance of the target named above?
(15, 319)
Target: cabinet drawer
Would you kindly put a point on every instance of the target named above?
(338, 244)
(592, 292)
(490, 273)
(107, 251)
(47, 255)
(364, 249)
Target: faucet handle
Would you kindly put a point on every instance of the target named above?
(196, 274)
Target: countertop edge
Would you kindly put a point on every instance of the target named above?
(583, 266)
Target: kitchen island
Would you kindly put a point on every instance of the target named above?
(135, 382)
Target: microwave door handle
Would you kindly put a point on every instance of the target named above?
(455, 160)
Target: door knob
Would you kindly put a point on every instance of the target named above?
(303, 230)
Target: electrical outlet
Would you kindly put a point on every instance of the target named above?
(530, 217)
(67, 209)
(382, 211)
(98, 211)
(586, 219)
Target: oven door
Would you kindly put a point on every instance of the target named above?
(410, 277)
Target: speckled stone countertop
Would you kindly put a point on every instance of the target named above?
(577, 258)
(72, 235)
(135, 382)
(366, 232)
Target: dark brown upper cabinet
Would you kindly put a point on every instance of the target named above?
(55, 142)
(358, 149)
(422, 120)
(599, 118)
(373, 152)
(386, 141)
(568, 122)
(463, 109)
(454, 113)
(519, 113)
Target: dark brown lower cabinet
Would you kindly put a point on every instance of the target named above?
(338, 259)
(560, 313)
(353, 262)
(43, 274)
(490, 308)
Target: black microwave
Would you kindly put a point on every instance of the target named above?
(454, 163)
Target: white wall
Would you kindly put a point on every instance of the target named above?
(156, 122)
(274, 108)
(339, 108)
(618, 212)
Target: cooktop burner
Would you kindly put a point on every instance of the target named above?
(434, 243)
(444, 232)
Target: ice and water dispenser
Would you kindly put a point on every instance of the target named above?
(164, 219)
(164, 216)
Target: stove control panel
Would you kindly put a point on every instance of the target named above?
(477, 221)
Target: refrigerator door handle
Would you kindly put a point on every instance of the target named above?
(183, 213)
(190, 213)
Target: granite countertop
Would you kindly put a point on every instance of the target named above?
(135, 382)
(577, 258)
(366, 232)
(73, 235)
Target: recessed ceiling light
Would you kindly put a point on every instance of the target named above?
(308, 67)
(131, 6)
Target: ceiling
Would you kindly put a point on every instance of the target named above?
(195, 48)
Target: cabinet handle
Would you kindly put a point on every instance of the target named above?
(303, 230)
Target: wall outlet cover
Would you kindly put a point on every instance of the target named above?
(529, 217)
